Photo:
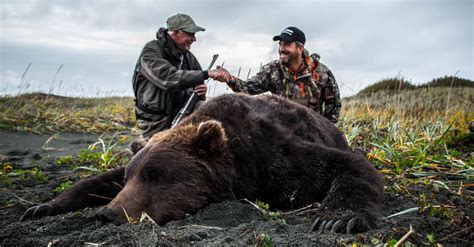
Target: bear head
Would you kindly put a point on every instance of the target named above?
(177, 171)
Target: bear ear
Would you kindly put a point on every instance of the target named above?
(138, 144)
(210, 136)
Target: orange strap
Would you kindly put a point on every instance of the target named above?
(294, 73)
(314, 74)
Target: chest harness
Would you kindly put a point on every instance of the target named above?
(306, 72)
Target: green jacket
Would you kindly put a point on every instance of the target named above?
(163, 79)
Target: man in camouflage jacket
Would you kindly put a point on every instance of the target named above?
(297, 76)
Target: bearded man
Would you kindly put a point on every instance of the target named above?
(297, 76)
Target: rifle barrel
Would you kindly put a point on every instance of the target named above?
(191, 101)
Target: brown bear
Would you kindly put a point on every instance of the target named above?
(233, 147)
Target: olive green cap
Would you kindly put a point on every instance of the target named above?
(183, 22)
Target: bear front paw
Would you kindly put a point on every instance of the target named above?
(351, 223)
(37, 211)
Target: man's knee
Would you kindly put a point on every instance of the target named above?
(149, 128)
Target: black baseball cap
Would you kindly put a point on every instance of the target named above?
(291, 34)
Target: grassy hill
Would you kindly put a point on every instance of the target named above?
(394, 85)
(389, 85)
(449, 81)
(42, 113)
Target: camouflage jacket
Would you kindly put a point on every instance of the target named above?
(313, 86)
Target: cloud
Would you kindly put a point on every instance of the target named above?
(362, 41)
(10, 77)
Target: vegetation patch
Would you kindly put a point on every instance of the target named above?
(396, 84)
(421, 140)
(42, 113)
(63, 186)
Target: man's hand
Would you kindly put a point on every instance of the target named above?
(200, 90)
(220, 74)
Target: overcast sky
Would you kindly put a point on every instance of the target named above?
(98, 42)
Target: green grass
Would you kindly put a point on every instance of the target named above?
(41, 113)
(109, 152)
(417, 137)
(63, 186)
(420, 140)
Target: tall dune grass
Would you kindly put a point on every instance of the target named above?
(416, 136)
(42, 113)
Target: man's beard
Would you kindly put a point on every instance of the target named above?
(290, 58)
(185, 47)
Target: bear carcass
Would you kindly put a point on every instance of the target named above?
(233, 147)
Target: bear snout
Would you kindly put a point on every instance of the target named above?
(105, 215)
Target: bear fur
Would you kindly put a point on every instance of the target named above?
(237, 146)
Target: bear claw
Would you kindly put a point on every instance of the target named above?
(321, 227)
(315, 224)
(351, 224)
(329, 225)
(348, 224)
(36, 211)
(337, 226)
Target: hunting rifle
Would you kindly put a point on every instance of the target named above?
(191, 103)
